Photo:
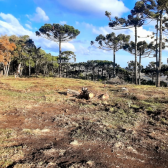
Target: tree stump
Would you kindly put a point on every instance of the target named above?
(85, 94)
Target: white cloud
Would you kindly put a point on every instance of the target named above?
(63, 22)
(40, 15)
(107, 30)
(83, 50)
(29, 22)
(95, 7)
(28, 26)
(52, 45)
(11, 26)
(10, 19)
(77, 23)
(28, 16)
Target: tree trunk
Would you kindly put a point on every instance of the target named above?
(8, 68)
(140, 68)
(60, 57)
(160, 49)
(136, 55)
(157, 65)
(93, 73)
(36, 68)
(73, 92)
(21, 71)
(152, 77)
(87, 73)
(46, 69)
(102, 72)
(18, 70)
(114, 63)
(62, 69)
(4, 70)
(52, 67)
(29, 65)
(66, 71)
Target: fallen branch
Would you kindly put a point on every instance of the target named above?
(73, 92)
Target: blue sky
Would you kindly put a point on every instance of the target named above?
(24, 17)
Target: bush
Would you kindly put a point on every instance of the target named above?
(145, 82)
(81, 76)
(163, 84)
(116, 80)
(150, 82)
(103, 78)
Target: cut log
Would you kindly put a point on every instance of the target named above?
(91, 95)
(124, 89)
(85, 94)
(103, 96)
(73, 92)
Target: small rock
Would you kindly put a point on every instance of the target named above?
(118, 145)
(61, 152)
(124, 89)
(66, 110)
(45, 130)
(51, 164)
(105, 103)
(90, 163)
(131, 149)
(75, 143)
(103, 96)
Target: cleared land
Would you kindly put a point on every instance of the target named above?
(41, 126)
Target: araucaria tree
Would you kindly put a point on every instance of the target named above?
(133, 20)
(143, 49)
(30, 46)
(155, 9)
(58, 33)
(112, 42)
(68, 56)
(6, 49)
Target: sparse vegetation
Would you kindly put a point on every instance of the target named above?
(96, 116)
(39, 118)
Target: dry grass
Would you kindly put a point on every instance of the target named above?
(35, 107)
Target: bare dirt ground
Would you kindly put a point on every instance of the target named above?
(40, 126)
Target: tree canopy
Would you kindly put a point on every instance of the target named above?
(6, 48)
(58, 33)
(112, 42)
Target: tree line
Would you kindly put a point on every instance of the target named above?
(103, 70)
(28, 57)
(25, 57)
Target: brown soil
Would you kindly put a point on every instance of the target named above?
(67, 132)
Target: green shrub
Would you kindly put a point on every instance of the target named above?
(145, 82)
(163, 84)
